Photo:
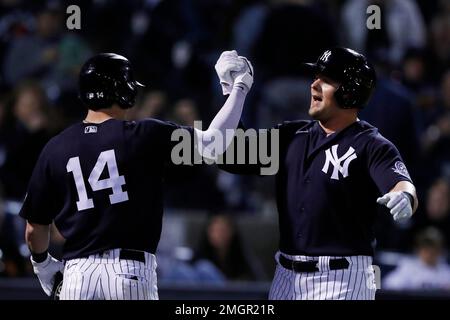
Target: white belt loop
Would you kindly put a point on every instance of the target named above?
(324, 263)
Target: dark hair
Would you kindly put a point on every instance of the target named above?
(235, 265)
(430, 237)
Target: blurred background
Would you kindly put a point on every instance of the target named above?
(220, 230)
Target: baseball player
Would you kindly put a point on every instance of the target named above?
(334, 172)
(100, 181)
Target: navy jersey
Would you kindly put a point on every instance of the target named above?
(102, 185)
(327, 187)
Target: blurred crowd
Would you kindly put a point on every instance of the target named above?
(173, 45)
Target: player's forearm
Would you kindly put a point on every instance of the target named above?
(229, 115)
(409, 188)
(225, 121)
(37, 237)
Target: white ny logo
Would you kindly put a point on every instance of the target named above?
(333, 158)
(325, 55)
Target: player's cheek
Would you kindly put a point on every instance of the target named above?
(328, 95)
(329, 90)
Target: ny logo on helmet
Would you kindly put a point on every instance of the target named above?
(333, 158)
(325, 56)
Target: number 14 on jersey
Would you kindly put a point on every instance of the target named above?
(115, 182)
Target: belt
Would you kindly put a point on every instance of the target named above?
(311, 266)
(126, 254)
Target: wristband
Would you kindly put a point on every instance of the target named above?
(39, 257)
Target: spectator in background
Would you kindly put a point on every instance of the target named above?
(179, 45)
(221, 245)
(436, 212)
(185, 111)
(415, 77)
(15, 22)
(248, 26)
(414, 69)
(440, 43)
(31, 128)
(427, 270)
(50, 54)
(391, 101)
(436, 139)
(402, 27)
(12, 263)
(34, 55)
(6, 125)
(152, 105)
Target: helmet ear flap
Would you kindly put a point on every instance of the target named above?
(126, 93)
(119, 96)
(342, 96)
(347, 98)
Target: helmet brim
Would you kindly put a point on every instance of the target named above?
(312, 68)
(138, 84)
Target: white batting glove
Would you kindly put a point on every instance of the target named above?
(399, 204)
(227, 63)
(244, 77)
(46, 271)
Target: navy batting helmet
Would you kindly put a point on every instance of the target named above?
(351, 69)
(105, 79)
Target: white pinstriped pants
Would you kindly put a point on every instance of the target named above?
(355, 283)
(106, 277)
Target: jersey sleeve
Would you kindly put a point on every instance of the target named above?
(386, 166)
(39, 205)
(174, 134)
(164, 136)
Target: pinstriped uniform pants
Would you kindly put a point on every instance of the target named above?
(106, 277)
(355, 283)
